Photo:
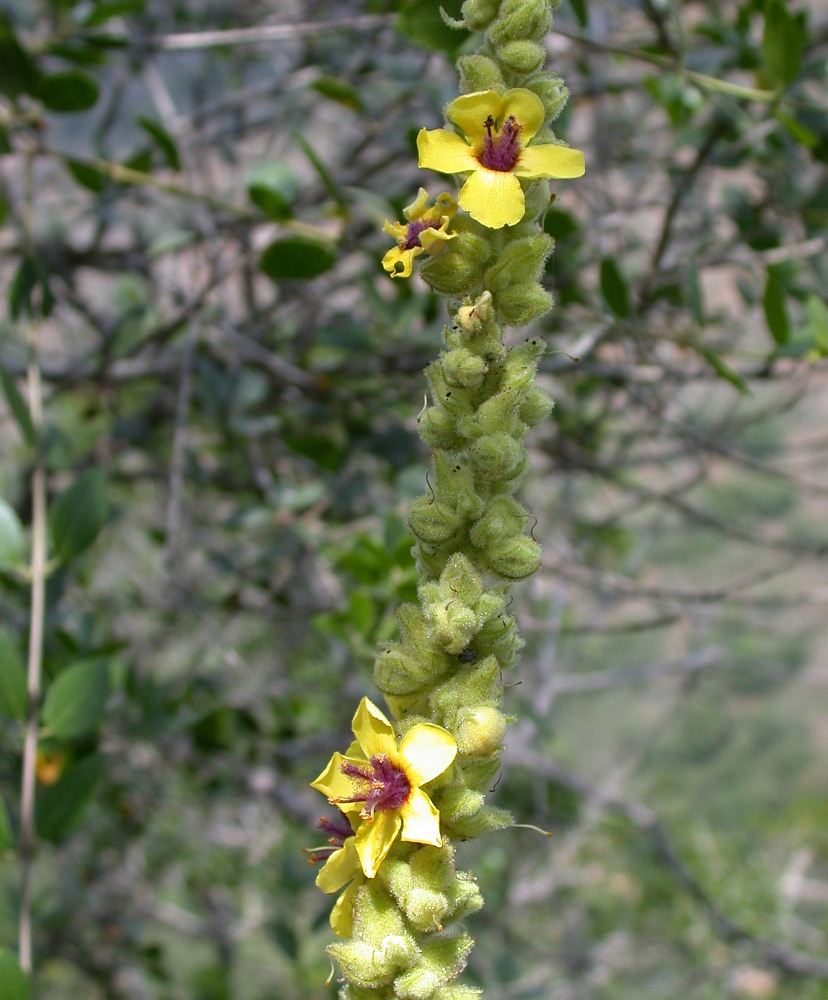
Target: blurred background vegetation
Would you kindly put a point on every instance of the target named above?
(192, 194)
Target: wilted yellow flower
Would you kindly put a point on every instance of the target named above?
(383, 785)
(495, 153)
(425, 232)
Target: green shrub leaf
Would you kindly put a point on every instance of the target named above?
(78, 514)
(296, 257)
(76, 700)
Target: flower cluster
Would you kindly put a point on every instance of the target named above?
(378, 785)
(495, 152)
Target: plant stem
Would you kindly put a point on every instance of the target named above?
(38, 606)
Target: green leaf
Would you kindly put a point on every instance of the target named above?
(818, 323)
(339, 91)
(273, 186)
(69, 91)
(13, 698)
(420, 20)
(30, 277)
(78, 514)
(13, 982)
(163, 140)
(295, 257)
(580, 10)
(103, 12)
(19, 408)
(76, 700)
(6, 834)
(782, 43)
(88, 177)
(776, 315)
(60, 806)
(723, 370)
(18, 70)
(614, 288)
(12, 537)
(801, 133)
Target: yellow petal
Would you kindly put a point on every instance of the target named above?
(336, 785)
(399, 263)
(417, 207)
(340, 868)
(427, 751)
(445, 151)
(374, 839)
(421, 821)
(446, 204)
(373, 731)
(550, 160)
(433, 240)
(396, 230)
(471, 111)
(493, 197)
(342, 915)
(527, 107)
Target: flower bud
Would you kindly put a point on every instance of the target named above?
(442, 959)
(536, 406)
(453, 398)
(438, 429)
(551, 90)
(433, 522)
(480, 731)
(520, 304)
(521, 57)
(463, 368)
(519, 19)
(397, 672)
(479, 14)
(458, 269)
(536, 197)
(497, 456)
(514, 559)
(478, 72)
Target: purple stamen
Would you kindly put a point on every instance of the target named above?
(386, 786)
(501, 151)
(339, 830)
(412, 233)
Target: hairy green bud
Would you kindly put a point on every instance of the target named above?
(521, 57)
(522, 303)
(461, 367)
(480, 730)
(442, 959)
(536, 406)
(479, 72)
(497, 456)
(433, 522)
(398, 672)
(552, 91)
(519, 19)
(438, 429)
(514, 559)
(479, 14)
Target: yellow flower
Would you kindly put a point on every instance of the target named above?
(426, 231)
(341, 866)
(496, 129)
(383, 784)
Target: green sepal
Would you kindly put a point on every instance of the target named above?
(505, 518)
(486, 820)
(456, 486)
(458, 268)
(521, 19)
(458, 803)
(397, 672)
(455, 399)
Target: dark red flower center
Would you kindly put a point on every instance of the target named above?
(412, 233)
(385, 786)
(501, 150)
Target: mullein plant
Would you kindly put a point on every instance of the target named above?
(414, 781)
